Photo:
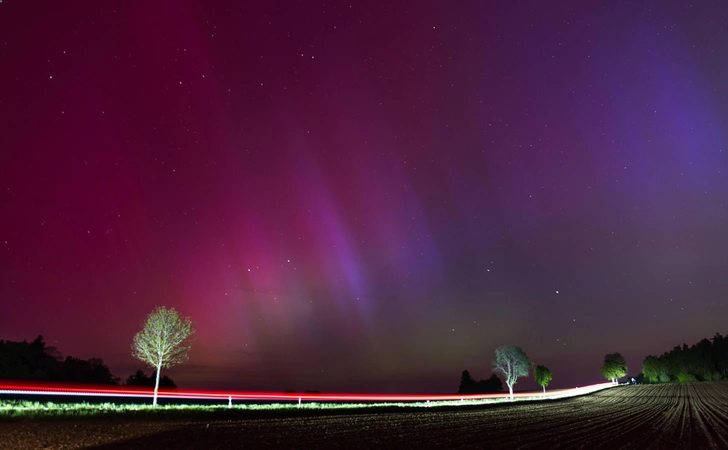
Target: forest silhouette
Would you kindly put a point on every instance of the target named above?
(705, 361)
(36, 361)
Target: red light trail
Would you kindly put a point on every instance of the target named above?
(69, 389)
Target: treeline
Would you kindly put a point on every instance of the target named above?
(705, 361)
(139, 378)
(36, 361)
(468, 385)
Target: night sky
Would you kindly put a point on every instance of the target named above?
(365, 196)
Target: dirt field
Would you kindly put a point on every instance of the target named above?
(663, 416)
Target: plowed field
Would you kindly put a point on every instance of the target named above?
(645, 416)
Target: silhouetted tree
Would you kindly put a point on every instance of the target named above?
(543, 376)
(513, 363)
(160, 343)
(719, 354)
(92, 371)
(20, 361)
(467, 383)
(139, 378)
(492, 384)
(36, 361)
(614, 367)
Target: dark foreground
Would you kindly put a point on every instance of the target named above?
(661, 416)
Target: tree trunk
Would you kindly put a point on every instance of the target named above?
(544, 389)
(156, 385)
(510, 388)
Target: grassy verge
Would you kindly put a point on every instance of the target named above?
(28, 410)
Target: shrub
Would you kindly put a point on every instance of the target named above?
(711, 376)
(683, 377)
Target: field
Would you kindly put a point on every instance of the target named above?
(644, 416)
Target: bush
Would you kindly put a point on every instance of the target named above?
(711, 376)
(683, 377)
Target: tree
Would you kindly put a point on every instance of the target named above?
(37, 361)
(160, 343)
(467, 383)
(139, 378)
(614, 367)
(492, 384)
(720, 355)
(92, 371)
(512, 362)
(651, 368)
(543, 376)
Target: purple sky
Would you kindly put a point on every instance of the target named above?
(367, 196)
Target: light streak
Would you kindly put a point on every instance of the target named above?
(69, 389)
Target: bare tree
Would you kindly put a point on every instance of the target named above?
(512, 362)
(160, 343)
